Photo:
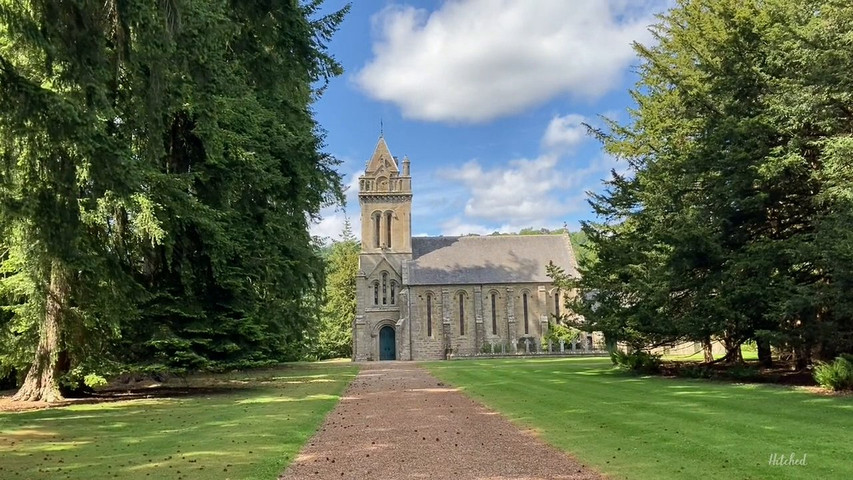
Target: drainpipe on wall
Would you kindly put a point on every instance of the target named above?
(409, 320)
(404, 270)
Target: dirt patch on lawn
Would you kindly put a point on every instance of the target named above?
(9, 405)
(110, 396)
(161, 386)
(826, 392)
(748, 372)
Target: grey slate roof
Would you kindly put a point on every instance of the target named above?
(488, 259)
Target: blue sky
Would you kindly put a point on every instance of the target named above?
(486, 98)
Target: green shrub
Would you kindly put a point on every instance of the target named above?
(743, 372)
(695, 371)
(636, 361)
(77, 381)
(94, 380)
(559, 331)
(835, 375)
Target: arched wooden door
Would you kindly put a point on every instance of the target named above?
(387, 344)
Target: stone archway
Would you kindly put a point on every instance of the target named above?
(387, 343)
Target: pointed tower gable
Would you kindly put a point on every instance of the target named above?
(385, 198)
(382, 162)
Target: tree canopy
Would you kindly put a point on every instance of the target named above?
(160, 165)
(331, 335)
(732, 221)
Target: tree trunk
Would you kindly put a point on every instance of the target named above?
(733, 353)
(708, 349)
(802, 356)
(41, 383)
(765, 356)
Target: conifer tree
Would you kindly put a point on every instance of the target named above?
(160, 164)
(332, 336)
(726, 220)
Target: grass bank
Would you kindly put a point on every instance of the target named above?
(241, 426)
(655, 428)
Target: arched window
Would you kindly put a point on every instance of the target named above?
(388, 229)
(526, 319)
(377, 217)
(376, 293)
(557, 305)
(494, 314)
(461, 313)
(429, 315)
(393, 292)
(384, 288)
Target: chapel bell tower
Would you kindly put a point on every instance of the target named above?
(385, 198)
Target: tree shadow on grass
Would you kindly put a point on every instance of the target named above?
(181, 387)
(244, 431)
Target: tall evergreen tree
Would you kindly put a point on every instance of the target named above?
(722, 227)
(158, 159)
(332, 336)
(78, 122)
(237, 282)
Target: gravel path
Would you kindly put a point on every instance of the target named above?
(397, 421)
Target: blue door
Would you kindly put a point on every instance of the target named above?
(387, 345)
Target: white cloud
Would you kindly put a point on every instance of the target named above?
(476, 60)
(332, 218)
(518, 192)
(564, 133)
(457, 226)
(480, 198)
(331, 225)
(521, 193)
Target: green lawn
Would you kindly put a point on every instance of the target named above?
(249, 425)
(654, 428)
(748, 351)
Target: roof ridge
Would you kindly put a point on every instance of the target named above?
(503, 235)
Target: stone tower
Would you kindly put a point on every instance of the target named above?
(385, 199)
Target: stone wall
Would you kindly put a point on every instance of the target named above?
(686, 349)
(400, 224)
(411, 315)
(371, 315)
(446, 332)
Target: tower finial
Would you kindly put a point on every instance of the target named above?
(381, 128)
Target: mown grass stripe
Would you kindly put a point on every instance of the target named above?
(250, 432)
(651, 428)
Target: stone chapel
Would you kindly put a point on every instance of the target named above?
(423, 298)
